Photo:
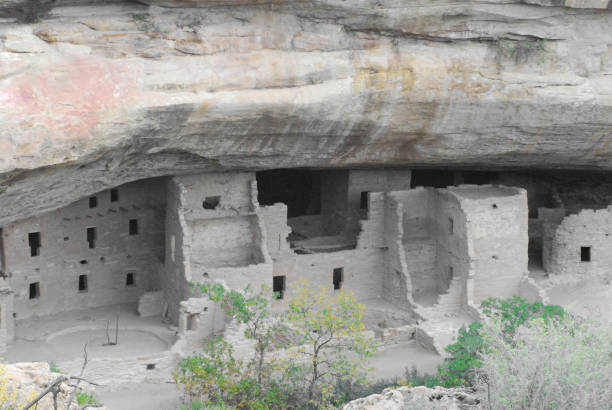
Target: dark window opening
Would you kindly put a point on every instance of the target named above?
(66, 238)
(432, 178)
(93, 202)
(451, 226)
(299, 189)
(585, 253)
(114, 195)
(34, 242)
(211, 202)
(494, 206)
(133, 226)
(92, 235)
(130, 279)
(82, 283)
(278, 286)
(533, 213)
(151, 366)
(83, 262)
(480, 177)
(338, 278)
(363, 201)
(451, 272)
(34, 290)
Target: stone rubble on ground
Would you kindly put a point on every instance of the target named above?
(418, 398)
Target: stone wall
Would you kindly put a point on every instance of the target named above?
(588, 229)
(497, 238)
(106, 259)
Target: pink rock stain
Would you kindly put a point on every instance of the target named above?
(67, 101)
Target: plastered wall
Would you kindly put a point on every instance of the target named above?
(588, 228)
(65, 253)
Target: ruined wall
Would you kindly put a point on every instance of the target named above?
(65, 251)
(590, 229)
(397, 284)
(497, 238)
(451, 237)
(277, 229)
(222, 232)
(363, 274)
(7, 323)
(371, 180)
(178, 251)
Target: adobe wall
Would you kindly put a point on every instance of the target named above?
(588, 228)
(7, 324)
(497, 238)
(65, 253)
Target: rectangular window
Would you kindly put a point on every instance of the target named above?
(451, 272)
(585, 254)
(92, 236)
(34, 242)
(363, 201)
(133, 226)
(278, 286)
(93, 202)
(338, 278)
(114, 195)
(451, 226)
(34, 290)
(130, 279)
(82, 283)
(211, 202)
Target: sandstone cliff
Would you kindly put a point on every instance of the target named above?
(97, 93)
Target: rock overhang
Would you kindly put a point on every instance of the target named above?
(96, 95)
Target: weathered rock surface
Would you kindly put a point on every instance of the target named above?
(95, 94)
(20, 383)
(421, 398)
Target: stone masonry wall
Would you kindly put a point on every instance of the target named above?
(497, 238)
(589, 228)
(65, 252)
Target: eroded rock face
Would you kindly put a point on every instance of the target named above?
(95, 94)
(422, 398)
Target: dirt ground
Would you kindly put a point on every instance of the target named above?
(389, 363)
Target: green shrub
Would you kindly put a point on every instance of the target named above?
(84, 398)
(465, 353)
(563, 364)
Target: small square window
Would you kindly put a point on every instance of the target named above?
(82, 283)
(133, 226)
(278, 286)
(585, 254)
(34, 290)
(338, 278)
(93, 202)
(130, 279)
(211, 202)
(114, 195)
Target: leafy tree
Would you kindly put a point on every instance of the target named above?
(251, 310)
(464, 357)
(333, 346)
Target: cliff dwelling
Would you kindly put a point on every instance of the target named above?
(422, 155)
(414, 252)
